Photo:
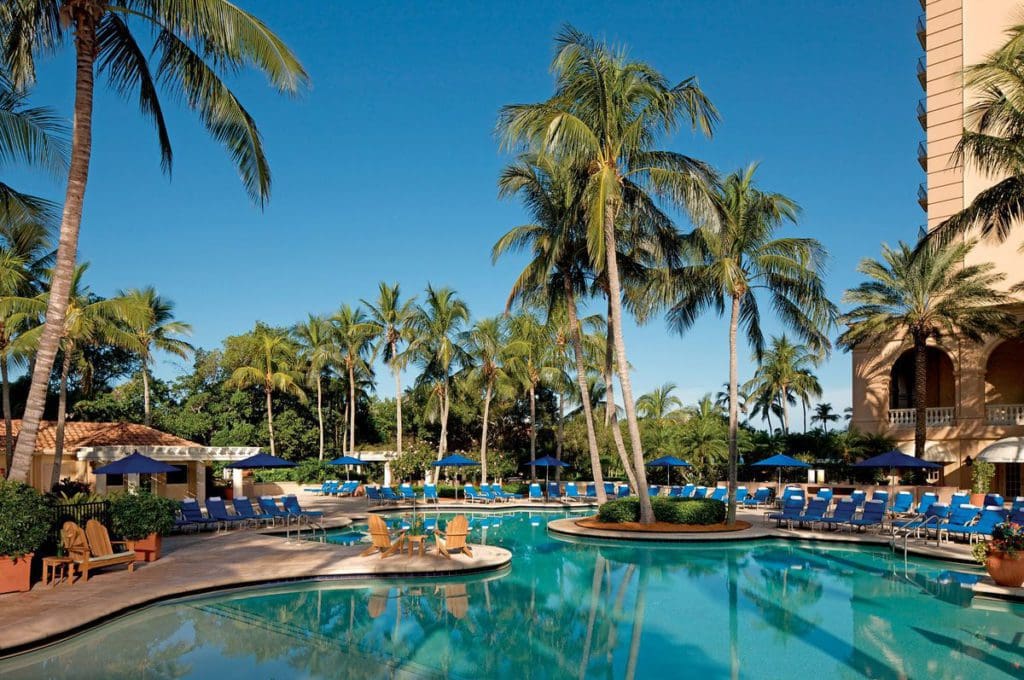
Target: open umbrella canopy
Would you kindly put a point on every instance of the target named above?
(260, 460)
(548, 461)
(346, 460)
(781, 461)
(668, 461)
(135, 464)
(897, 459)
(455, 460)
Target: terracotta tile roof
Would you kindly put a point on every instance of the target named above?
(78, 435)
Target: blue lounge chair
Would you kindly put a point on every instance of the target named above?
(496, 488)
(347, 489)
(1017, 516)
(994, 499)
(814, 513)
(788, 493)
(535, 494)
(990, 517)
(485, 491)
(688, 490)
(741, 494)
(333, 487)
(928, 498)
(675, 492)
(761, 497)
(653, 490)
(720, 493)
(700, 492)
(902, 504)
(243, 508)
(958, 500)
(389, 496)
(291, 505)
(859, 498)
(791, 509)
(430, 493)
(554, 490)
(474, 496)
(571, 492)
(591, 491)
(959, 519)
(406, 492)
(842, 514)
(609, 489)
(872, 516)
(623, 491)
(825, 494)
(322, 490)
(217, 510)
(182, 524)
(930, 519)
(883, 496)
(194, 514)
(269, 507)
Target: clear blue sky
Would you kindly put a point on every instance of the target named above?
(386, 168)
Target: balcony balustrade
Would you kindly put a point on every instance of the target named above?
(1004, 414)
(938, 415)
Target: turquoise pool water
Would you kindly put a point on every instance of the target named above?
(571, 609)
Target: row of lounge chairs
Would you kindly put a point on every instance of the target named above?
(265, 513)
(334, 487)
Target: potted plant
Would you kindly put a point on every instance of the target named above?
(982, 474)
(142, 519)
(1003, 556)
(25, 519)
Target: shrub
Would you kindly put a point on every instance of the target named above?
(133, 516)
(702, 511)
(982, 473)
(25, 518)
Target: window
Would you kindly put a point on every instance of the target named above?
(179, 476)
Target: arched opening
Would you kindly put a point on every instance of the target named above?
(940, 381)
(1004, 384)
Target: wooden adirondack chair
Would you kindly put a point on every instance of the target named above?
(454, 538)
(383, 540)
(93, 549)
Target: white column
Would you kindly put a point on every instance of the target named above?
(236, 482)
(101, 484)
(387, 473)
(199, 470)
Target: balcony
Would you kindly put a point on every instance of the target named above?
(1004, 414)
(922, 156)
(922, 73)
(922, 32)
(922, 197)
(922, 114)
(907, 417)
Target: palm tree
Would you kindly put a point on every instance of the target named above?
(438, 325)
(90, 321)
(556, 276)
(722, 398)
(824, 414)
(158, 332)
(195, 46)
(659, 403)
(488, 349)
(735, 255)
(393, 320)
(353, 334)
(923, 295)
(532, 365)
(270, 360)
(606, 115)
(318, 353)
(993, 141)
(784, 374)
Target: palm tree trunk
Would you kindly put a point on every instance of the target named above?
(62, 404)
(8, 438)
(920, 394)
(615, 328)
(442, 445)
(803, 405)
(145, 394)
(483, 434)
(581, 381)
(67, 247)
(533, 433)
(398, 402)
(639, 605)
(352, 411)
(784, 402)
(611, 416)
(320, 412)
(559, 433)
(270, 420)
(734, 321)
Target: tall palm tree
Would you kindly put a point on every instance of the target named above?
(659, 403)
(735, 256)
(993, 142)
(353, 334)
(439, 323)
(270, 365)
(785, 373)
(824, 414)
(921, 295)
(159, 331)
(606, 115)
(318, 353)
(91, 321)
(488, 349)
(393, 318)
(556, 276)
(534, 364)
(194, 47)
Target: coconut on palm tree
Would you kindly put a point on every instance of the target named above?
(158, 332)
(270, 364)
(736, 257)
(392, 317)
(353, 335)
(920, 296)
(318, 353)
(605, 116)
(194, 48)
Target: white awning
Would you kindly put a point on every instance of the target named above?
(1006, 450)
(936, 452)
(167, 454)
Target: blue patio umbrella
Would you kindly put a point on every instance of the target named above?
(346, 461)
(260, 461)
(668, 462)
(135, 464)
(547, 462)
(781, 461)
(897, 460)
(455, 460)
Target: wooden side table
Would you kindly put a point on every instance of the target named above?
(417, 540)
(57, 569)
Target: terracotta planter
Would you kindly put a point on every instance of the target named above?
(1006, 571)
(978, 500)
(148, 548)
(15, 573)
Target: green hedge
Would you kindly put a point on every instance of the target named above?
(673, 510)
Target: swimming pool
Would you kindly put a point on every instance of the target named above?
(566, 609)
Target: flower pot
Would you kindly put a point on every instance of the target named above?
(978, 500)
(1005, 570)
(148, 548)
(15, 573)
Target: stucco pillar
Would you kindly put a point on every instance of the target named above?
(101, 484)
(199, 470)
(387, 473)
(236, 482)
